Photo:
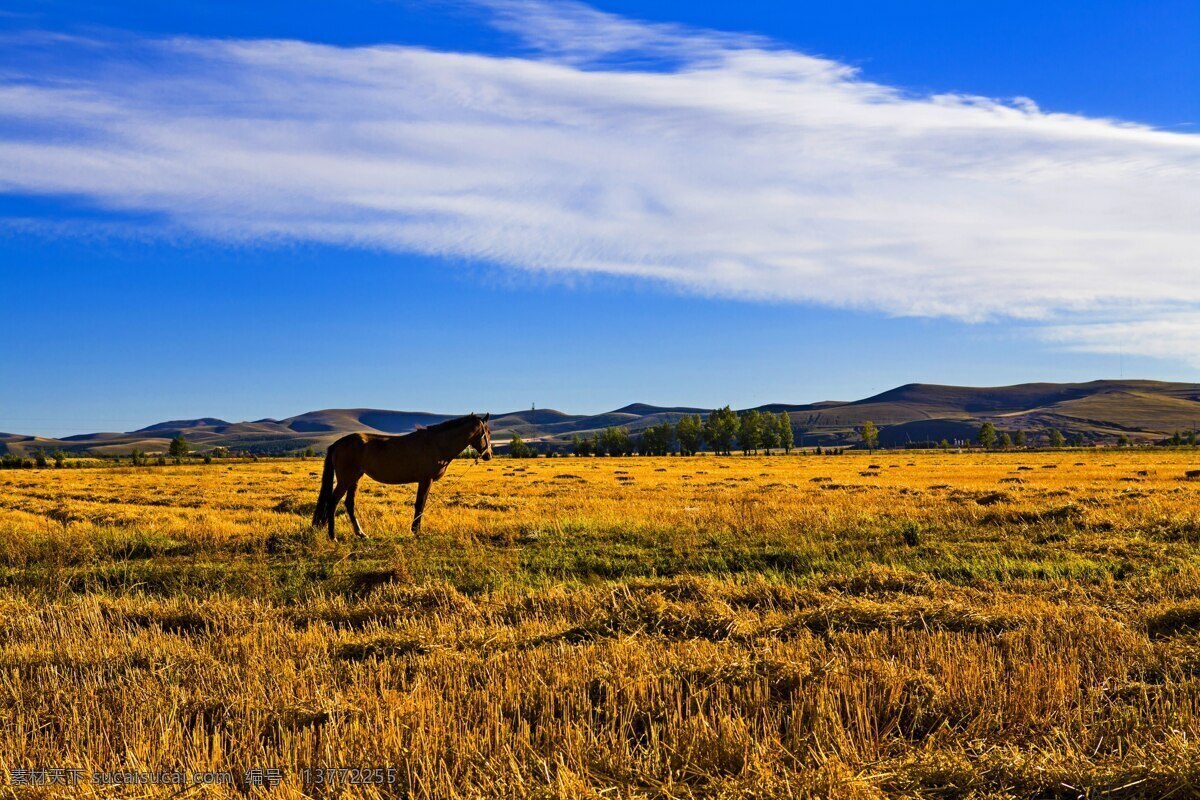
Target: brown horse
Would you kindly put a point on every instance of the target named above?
(420, 457)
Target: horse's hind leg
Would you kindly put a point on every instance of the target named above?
(350, 493)
(338, 491)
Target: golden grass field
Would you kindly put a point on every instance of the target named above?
(935, 625)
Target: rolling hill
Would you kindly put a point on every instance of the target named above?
(912, 414)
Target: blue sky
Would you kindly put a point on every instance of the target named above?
(253, 210)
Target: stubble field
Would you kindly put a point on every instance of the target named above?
(895, 625)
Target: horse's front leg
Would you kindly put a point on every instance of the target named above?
(419, 508)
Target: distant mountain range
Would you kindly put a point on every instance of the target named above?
(911, 414)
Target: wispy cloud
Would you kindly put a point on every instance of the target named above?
(1159, 333)
(731, 168)
(579, 34)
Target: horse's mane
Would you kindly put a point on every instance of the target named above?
(448, 424)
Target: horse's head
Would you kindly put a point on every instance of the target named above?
(481, 437)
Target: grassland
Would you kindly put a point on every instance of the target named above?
(896, 625)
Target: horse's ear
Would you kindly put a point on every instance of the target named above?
(487, 416)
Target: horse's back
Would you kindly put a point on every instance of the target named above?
(406, 458)
(351, 443)
(394, 459)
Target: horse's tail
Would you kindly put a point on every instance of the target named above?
(321, 513)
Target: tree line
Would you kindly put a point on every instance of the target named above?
(992, 439)
(721, 431)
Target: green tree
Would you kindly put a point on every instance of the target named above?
(59, 458)
(666, 438)
(870, 435)
(1019, 439)
(624, 442)
(1056, 438)
(610, 443)
(768, 435)
(987, 435)
(786, 438)
(517, 447)
(1005, 441)
(721, 429)
(657, 440)
(749, 433)
(1190, 438)
(945, 445)
(1122, 441)
(689, 430)
(581, 445)
(179, 449)
(616, 442)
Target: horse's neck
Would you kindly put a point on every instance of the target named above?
(453, 443)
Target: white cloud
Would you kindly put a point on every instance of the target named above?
(579, 34)
(729, 167)
(1161, 334)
